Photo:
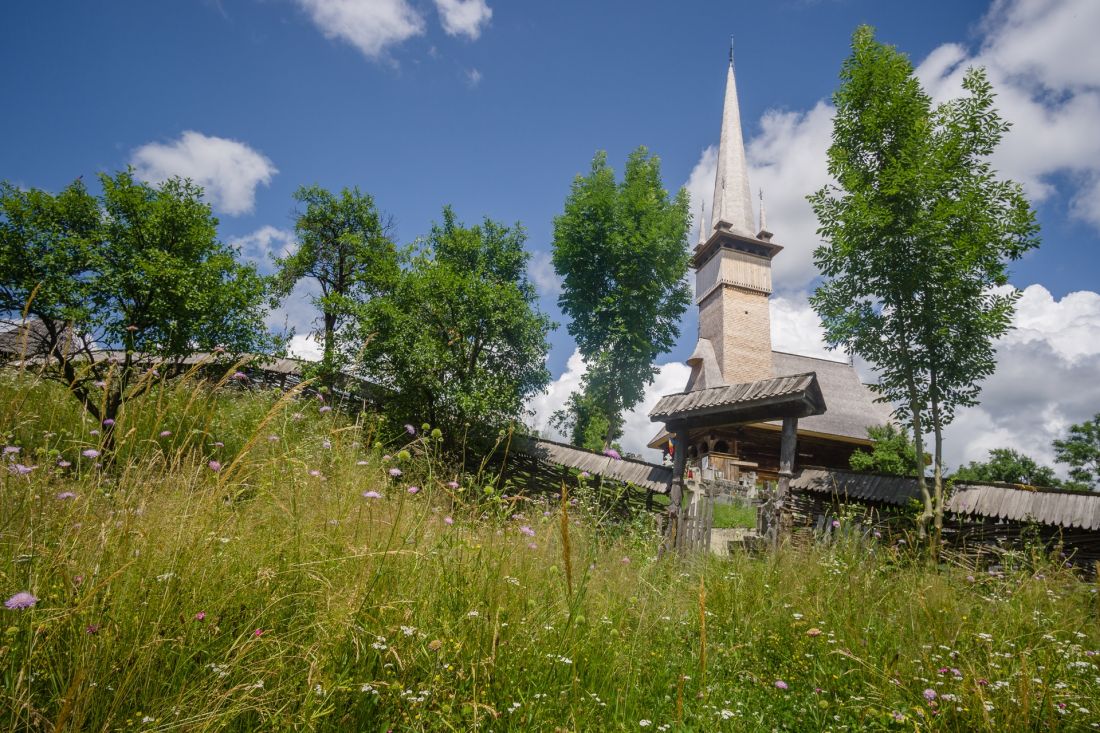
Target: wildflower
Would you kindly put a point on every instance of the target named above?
(90, 453)
(108, 423)
(325, 408)
(93, 432)
(532, 546)
(527, 531)
(626, 560)
(612, 453)
(66, 495)
(435, 645)
(165, 433)
(371, 495)
(878, 536)
(21, 470)
(395, 472)
(361, 463)
(387, 458)
(11, 450)
(239, 376)
(982, 681)
(645, 723)
(201, 615)
(410, 429)
(898, 717)
(929, 694)
(214, 466)
(585, 474)
(780, 685)
(413, 489)
(326, 444)
(100, 383)
(315, 473)
(452, 485)
(297, 416)
(91, 629)
(836, 524)
(258, 632)
(20, 600)
(813, 632)
(272, 438)
(448, 521)
(219, 444)
(63, 464)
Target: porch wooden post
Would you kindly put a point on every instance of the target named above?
(787, 447)
(673, 527)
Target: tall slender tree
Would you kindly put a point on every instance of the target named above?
(621, 250)
(918, 231)
(344, 245)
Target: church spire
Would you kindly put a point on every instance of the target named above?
(732, 206)
(704, 233)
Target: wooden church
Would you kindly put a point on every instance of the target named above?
(733, 364)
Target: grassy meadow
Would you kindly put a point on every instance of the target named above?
(250, 560)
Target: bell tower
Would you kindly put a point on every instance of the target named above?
(733, 269)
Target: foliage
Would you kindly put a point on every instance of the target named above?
(300, 603)
(583, 420)
(137, 272)
(621, 250)
(460, 340)
(893, 452)
(1008, 466)
(918, 230)
(345, 246)
(1080, 450)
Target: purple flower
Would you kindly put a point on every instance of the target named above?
(410, 429)
(371, 495)
(165, 433)
(66, 495)
(100, 383)
(527, 531)
(532, 546)
(20, 470)
(91, 629)
(93, 432)
(108, 423)
(63, 464)
(448, 521)
(272, 438)
(11, 450)
(413, 489)
(200, 615)
(258, 632)
(219, 444)
(315, 473)
(585, 474)
(387, 457)
(836, 523)
(214, 466)
(780, 685)
(20, 600)
(899, 717)
(626, 561)
(395, 472)
(612, 453)
(929, 694)
(326, 443)
(90, 453)
(452, 485)
(240, 376)
(325, 408)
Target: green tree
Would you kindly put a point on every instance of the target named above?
(893, 452)
(123, 286)
(344, 245)
(918, 229)
(1081, 452)
(460, 339)
(621, 251)
(585, 423)
(1008, 466)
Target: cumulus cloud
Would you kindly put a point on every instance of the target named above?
(305, 346)
(464, 17)
(541, 269)
(264, 244)
(371, 26)
(473, 78)
(228, 170)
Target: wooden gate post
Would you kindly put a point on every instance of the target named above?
(674, 527)
(786, 469)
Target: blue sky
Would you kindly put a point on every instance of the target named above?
(493, 107)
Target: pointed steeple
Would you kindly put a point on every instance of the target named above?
(763, 233)
(704, 230)
(732, 206)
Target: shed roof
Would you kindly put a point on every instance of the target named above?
(896, 490)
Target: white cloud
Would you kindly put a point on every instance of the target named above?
(796, 329)
(265, 243)
(473, 78)
(464, 17)
(544, 405)
(228, 170)
(305, 346)
(1045, 69)
(700, 187)
(541, 269)
(371, 26)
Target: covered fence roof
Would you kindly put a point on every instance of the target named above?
(646, 475)
(795, 389)
(1010, 502)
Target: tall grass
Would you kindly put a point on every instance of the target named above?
(278, 596)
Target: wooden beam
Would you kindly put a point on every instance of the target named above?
(674, 525)
(787, 446)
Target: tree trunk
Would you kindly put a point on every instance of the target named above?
(676, 492)
(937, 469)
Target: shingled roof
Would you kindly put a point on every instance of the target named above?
(796, 388)
(646, 475)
